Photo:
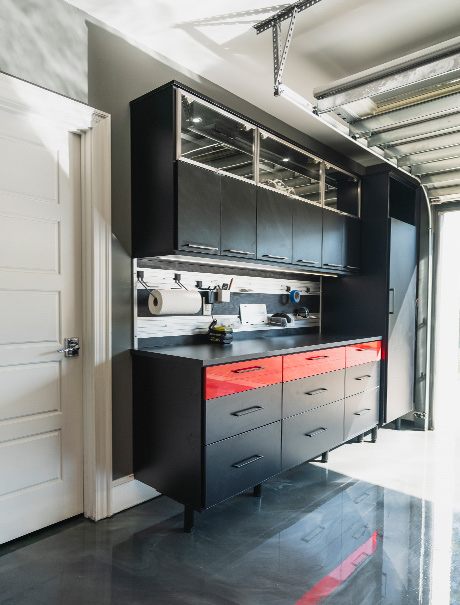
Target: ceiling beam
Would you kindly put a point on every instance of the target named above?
(406, 116)
(442, 178)
(429, 156)
(432, 167)
(413, 78)
(416, 131)
(443, 191)
(427, 144)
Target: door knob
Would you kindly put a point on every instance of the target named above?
(72, 347)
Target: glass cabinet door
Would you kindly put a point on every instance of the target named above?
(289, 170)
(341, 191)
(215, 139)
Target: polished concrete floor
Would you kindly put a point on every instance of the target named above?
(379, 523)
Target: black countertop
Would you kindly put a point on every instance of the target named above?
(214, 354)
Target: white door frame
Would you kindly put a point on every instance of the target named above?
(93, 126)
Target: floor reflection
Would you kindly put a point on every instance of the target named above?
(315, 536)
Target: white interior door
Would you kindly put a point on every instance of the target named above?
(41, 442)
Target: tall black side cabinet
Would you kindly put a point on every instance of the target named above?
(382, 297)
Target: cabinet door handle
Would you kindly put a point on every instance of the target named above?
(350, 267)
(273, 256)
(309, 262)
(314, 433)
(239, 252)
(248, 370)
(200, 247)
(363, 377)
(391, 302)
(331, 265)
(362, 412)
(247, 461)
(319, 357)
(256, 408)
(316, 391)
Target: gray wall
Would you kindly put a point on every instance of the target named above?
(54, 45)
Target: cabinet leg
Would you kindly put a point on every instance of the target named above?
(325, 457)
(257, 493)
(374, 434)
(189, 519)
(398, 424)
(360, 438)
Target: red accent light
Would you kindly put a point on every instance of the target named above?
(302, 365)
(242, 376)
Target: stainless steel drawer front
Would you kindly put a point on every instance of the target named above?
(362, 378)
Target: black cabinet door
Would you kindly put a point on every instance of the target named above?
(351, 243)
(307, 234)
(274, 226)
(198, 209)
(333, 240)
(238, 226)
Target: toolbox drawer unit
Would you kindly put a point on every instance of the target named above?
(205, 431)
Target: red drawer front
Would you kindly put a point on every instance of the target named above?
(363, 353)
(242, 376)
(311, 363)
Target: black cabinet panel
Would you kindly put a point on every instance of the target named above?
(198, 209)
(361, 413)
(232, 414)
(307, 234)
(333, 240)
(362, 378)
(308, 435)
(351, 243)
(274, 226)
(236, 464)
(238, 226)
(307, 393)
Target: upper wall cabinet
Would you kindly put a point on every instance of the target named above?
(206, 180)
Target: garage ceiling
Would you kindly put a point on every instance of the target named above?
(332, 40)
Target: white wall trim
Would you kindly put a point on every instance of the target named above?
(128, 492)
(97, 319)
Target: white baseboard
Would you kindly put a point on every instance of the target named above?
(127, 492)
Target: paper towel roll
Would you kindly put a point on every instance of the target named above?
(174, 302)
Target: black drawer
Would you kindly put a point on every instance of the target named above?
(307, 393)
(362, 378)
(361, 413)
(232, 414)
(236, 464)
(307, 435)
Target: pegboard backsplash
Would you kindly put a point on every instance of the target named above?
(273, 292)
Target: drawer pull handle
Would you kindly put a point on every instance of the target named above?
(256, 408)
(364, 349)
(363, 377)
(309, 262)
(273, 256)
(200, 247)
(239, 252)
(314, 433)
(320, 357)
(248, 370)
(350, 267)
(331, 265)
(316, 391)
(363, 412)
(247, 461)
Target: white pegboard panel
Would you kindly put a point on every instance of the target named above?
(160, 279)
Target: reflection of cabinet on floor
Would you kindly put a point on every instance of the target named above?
(215, 429)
